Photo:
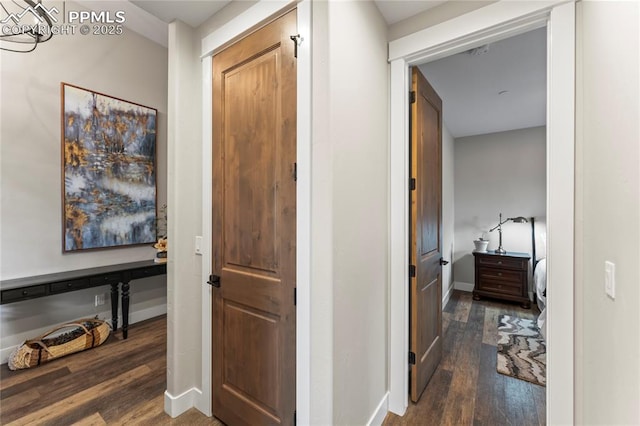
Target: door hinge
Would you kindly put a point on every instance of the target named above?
(412, 271)
(295, 296)
(295, 172)
(295, 39)
(412, 184)
(412, 97)
(412, 358)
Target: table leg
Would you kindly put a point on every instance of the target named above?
(125, 309)
(114, 306)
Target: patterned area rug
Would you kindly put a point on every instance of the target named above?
(522, 352)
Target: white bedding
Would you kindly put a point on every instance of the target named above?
(540, 283)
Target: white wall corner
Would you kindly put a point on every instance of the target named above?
(459, 285)
(381, 412)
(176, 405)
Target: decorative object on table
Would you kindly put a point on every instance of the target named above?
(481, 245)
(83, 334)
(501, 222)
(26, 23)
(109, 171)
(522, 352)
(161, 229)
(161, 250)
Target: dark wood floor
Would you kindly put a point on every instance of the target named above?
(122, 382)
(466, 389)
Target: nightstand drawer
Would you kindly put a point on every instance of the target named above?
(504, 275)
(503, 262)
(500, 287)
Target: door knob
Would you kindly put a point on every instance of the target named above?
(443, 262)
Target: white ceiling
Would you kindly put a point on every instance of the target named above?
(396, 10)
(196, 12)
(193, 13)
(470, 86)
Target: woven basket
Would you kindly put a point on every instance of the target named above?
(84, 334)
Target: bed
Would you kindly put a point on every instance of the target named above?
(539, 261)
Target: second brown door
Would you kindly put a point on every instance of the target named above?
(426, 234)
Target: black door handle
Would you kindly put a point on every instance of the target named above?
(214, 280)
(443, 262)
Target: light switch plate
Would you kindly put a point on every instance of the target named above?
(610, 279)
(198, 247)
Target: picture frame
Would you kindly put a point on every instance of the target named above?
(109, 174)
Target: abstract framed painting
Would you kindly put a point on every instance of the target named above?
(108, 171)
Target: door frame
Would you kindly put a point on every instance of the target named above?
(244, 23)
(488, 24)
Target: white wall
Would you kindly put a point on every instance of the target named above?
(184, 276)
(498, 172)
(448, 210)
(129, 67)
(608, 212)
(357, 148)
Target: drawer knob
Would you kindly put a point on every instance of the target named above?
(25, 292)
(500, 263)
(69, 285)
(499, 274)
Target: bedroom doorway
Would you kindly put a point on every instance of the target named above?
(455, 36)
(499, 157)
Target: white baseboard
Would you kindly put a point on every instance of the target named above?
(459, 285)
(134, 317)
(144, 314)
(176, 405)
(381, 412)
(447, 296)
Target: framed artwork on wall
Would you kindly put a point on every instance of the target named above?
(108, 171)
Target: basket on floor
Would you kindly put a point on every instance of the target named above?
(84, 334)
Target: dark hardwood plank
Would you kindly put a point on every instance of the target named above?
(121, 382)
(462, 391)
(466, 388)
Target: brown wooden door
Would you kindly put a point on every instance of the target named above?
(426, 233)
(254, 227)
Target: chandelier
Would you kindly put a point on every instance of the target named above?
(24, 24)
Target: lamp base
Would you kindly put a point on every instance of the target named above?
(500, 250)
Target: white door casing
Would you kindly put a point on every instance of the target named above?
(491, 23)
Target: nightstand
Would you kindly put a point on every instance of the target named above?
(502, 276)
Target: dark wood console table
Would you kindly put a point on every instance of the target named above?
(19, 289)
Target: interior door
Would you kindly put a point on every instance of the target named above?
(426, 233)
(254, 227)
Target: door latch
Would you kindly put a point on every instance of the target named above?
(214, 280)
(443, 262)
